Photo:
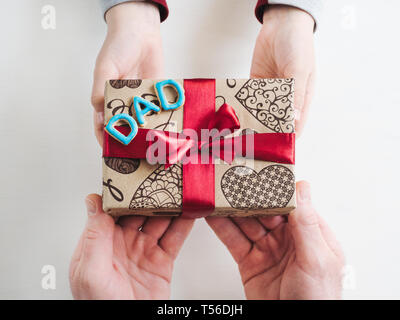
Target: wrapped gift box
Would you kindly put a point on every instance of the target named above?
(245, 187)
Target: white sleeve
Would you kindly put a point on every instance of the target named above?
(108, 4)
(312, 7)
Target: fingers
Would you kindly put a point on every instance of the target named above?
(251, 227)
(257, 229)
(304, 223)
(306, 97)
(131, 226)
(152, 66)
(102, 73)
(97, 247)
(76, 256)
(270, 223)
(131, 222)
(176, 234)
(156, 226)
(98, 120)
(170, 233)
(230, 235)
(300, 85)
(331, 240)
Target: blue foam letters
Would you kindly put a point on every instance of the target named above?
(163, 99)
(140, 113)
(118, 135)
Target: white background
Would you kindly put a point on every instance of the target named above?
(50, 159)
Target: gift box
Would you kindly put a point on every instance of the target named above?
(258, 114)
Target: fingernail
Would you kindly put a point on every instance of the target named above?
(305, 192)
(100, 118)
(91, 207)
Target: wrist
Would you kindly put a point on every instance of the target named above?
(280, 14)
(133, 18)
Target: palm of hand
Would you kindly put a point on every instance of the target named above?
(295, 259)
(124, 56)
(285, 49)
(271, 269)
(130, 56)
(132, 259)
(140, 269)
(282, 51)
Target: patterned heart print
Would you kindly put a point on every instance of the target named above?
(272, 187)
(161, 189)
(118, 84)
(270, 101)
(122, 165)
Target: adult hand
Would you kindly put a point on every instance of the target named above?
(132, 259)
(285, 49)
(132, 50)
(300, 259)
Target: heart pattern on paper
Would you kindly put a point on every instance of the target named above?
(122, 165)
(161, 189)
(272, 187)
(118, 84)
(270, 101)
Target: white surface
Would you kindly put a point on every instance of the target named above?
(50, 159)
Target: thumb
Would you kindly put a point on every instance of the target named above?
(97, 250)
(102, 74)
(300, 87)
(304, 224)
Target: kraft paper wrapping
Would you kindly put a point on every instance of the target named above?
(244, 188)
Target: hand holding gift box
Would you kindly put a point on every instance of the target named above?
(133, 259)
(255, 115)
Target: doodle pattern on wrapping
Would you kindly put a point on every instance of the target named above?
(272, 187)
(122, 165)
(161, 189)
(270, 101)
(118, 84)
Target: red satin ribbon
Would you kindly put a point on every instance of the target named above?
(274, 147)
(199, 178)
(198, 194)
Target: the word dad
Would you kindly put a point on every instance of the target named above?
(142, 112)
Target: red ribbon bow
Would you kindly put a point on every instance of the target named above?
(199, 113)
(185, 146)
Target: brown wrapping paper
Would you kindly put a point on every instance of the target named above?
(244, 188)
